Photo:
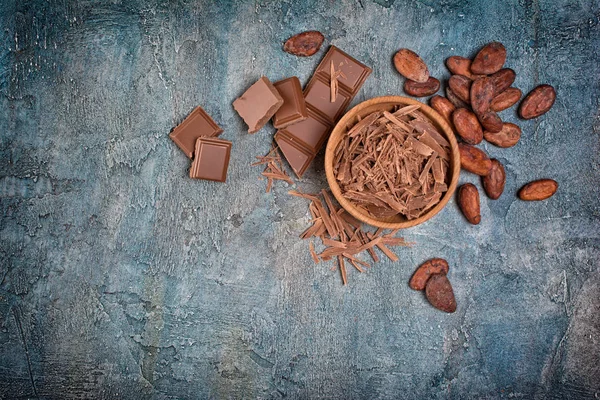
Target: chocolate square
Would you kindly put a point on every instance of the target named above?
(197, 124)
(211, 159)
(355, 72)
(293, 109)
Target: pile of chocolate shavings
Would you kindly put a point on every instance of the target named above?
(274, 168)
(342, 235)
(393, 163)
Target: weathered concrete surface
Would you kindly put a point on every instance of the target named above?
(122, 278)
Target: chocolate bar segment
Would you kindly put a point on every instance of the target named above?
(258, 104)
(197, 124)
(298, 157)
(353, 73)
(293, 109)
(211, 159)
(318, 95)
(311, 133)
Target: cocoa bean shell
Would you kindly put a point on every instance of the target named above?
(425, 270)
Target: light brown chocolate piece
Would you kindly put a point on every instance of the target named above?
(258, 104)
(211, 159)
(293, 109)
(197, 124)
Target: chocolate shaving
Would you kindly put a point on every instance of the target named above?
(393, 163)
(274, 167)
(342, 236)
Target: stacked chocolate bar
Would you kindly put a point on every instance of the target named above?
(336, 81)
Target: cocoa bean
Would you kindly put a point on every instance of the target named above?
(468, 201)
(490, 59)
(537, 102)
(538, 190)
(474, 160)
(411, 66)
(467, 126)
(493, 183)
(417, 89)
(304, 44)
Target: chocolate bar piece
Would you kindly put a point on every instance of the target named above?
(318, 95)
(197, 124)
(296, 155)
(258, 104)
(211, 159)
(309, 135)
(293, 109)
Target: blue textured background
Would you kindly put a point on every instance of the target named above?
(122, 278)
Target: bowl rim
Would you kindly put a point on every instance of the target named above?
(436, 118)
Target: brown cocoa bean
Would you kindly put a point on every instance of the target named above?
(411, 66)
(467, 126)
(502, 80)
(417, 89)
(454, 99)
(482, 94)
(443, 106)
(424, 272)
(460, 66)
(538, 190)
(461, 86)
(304, 44)
(440, 294)
(493, 183)
(468, 201)
(474, 160)
(490, 59)
(508, 136)
(506, 99)
(537, 102)
(490, 121)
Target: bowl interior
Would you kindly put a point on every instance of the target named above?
(387, 103)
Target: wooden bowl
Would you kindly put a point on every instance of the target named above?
(380, 104)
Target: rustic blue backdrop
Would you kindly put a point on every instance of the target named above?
(122, 278)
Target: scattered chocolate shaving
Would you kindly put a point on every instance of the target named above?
(342, 235)
(274, 167)
(393, 163)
